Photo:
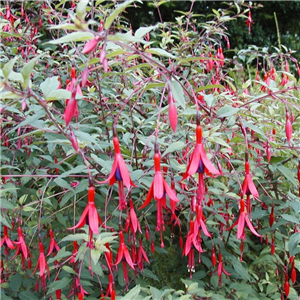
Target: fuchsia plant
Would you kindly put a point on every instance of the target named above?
(206, 203)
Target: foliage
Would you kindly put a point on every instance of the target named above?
(103, 131)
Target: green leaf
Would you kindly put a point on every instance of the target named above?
(124, 37)
(15, 282)
(61, 182)
(174, 147)
(4, 204)
(58, 285)
(77, 170)
(143, 31)
(241, 271)
(178, 93)
(75, 237)
(60, 94)
(294, 243)
(8, 67)
(156, 294)
(290, 218)
(67, 26)
(50, 84)
(27, 69)
(288, 175)
(254, 128)
(227, 111)
(78, 36)
(160, 52)
(132, 295)
(120, 8)
(26, 295)
(69, 270)
(95, 254)
(9, 95)
(4, 221)
(81, 9)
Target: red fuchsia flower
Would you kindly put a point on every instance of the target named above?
(71, 109)
(124, 256)
(78, 290)
(288, 128)
(90, 45)
(21, 248)
(74, 141)
(199, 162)
(221, 269)
(213, 257)
(42, 265)
(158, 190)
(193, 241)
(90, 216)
(172, 112)
(249, 21)
(142, 257)
(74, 253)
(6, 241)
(286, 285)
(109, 257)
(53, 247)
(243, 217)
(248, 187)
(220, 56)
(133, 223)
(119, 173)
(200, 220)
(111, 287)
(123, 252)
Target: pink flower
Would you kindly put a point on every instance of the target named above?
(243, 217)
(21, 248)
(172, 112)
(123, 252)
(90, 46)
(53, 247)
(141, 257)
(90, 214)
(6, 241)
(199, 162)
(248, 187)
(119, 171)
(249, 21)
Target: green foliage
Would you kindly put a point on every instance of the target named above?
(132, 96)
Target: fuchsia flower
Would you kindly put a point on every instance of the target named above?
(199, 162)
(141, 257)
(133, 221)
(90, 45)
(248, 187)
(123, 252)
(42, 265)
(172, 112)
(90, 215)
(243, 217)
(53, 247)
(6, 241)
(249, 21)
(21, 248)
(221, 269)
(158, 190)
(119, 172)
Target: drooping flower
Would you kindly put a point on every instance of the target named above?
(133, 222)
(123, 252)
(119, 173)
(172, 111)
(248, 187)
(21, 248)
(142, 256)
(71, 109)
(42, 265)
(288, 128)
(243, 217)
(199, 162)
(90, 215)
(249, 21)
(53, 246)
(221, 269)
(90, 45)
(6, 241)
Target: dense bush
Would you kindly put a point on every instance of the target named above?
(103, 131)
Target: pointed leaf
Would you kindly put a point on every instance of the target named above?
(27, 69)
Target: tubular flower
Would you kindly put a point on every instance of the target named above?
(133, 223)
(53, 247)
(90, 214)
(221, 269)
(6, 241)
(21, 248)
(119, 172)
(243, 217)
(249, 21)
(248, 187)
(199, 162)
(159, 187)
(123, 252)
(42, 265)
(141, 257)
(172, 112)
